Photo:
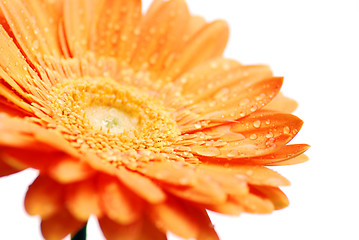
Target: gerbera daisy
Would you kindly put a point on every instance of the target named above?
(137, 119)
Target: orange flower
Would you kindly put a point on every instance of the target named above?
(137, 119)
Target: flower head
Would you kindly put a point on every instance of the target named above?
(137, 119)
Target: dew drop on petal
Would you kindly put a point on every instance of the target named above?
(257, 123)
(253, 136)
(269, 135)
(286, 130)
(254, 108)
(207, 151)
(232, 153)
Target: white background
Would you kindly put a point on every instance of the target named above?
(315, 45)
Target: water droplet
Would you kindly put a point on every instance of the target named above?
(257, 123)
(232, 153)
(207, 151)
(269, 135)
(286, 130)
(260, 97)
(295, 131)
(198, 125)
(254, 108)
(253, 136)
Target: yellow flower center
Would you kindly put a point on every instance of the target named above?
(111, 120)
(101, 115)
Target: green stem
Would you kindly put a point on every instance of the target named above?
(81, 235)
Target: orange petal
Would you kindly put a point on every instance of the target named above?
(82, 200)
(215, 78)
(118, 203)
(170, 172)
(230, 207)
(69, 170)
(60, 225)
(114, 231)
(140, 185)
(195, 23)
(161, 32)
(28, 26)
(63, 40)
(113, 33)
(282, 103)
(78, 16)
(11, 96)
(197, 80)
(11, 109)
(38, 137)
(235, 103)
(229, 181)
(173, 216)
(19, 141)
(258, 175)
(254, 204)
(274, 194)
(206, 230)
(143, 229)
(44, 197)
(205, 191)
(280, 157)
(151, 232)
(283, 155)
(209, 42)
(23, 158)
(6, 169)
(47, 15)
(291, 161)
(260, 133)
(22, 79)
